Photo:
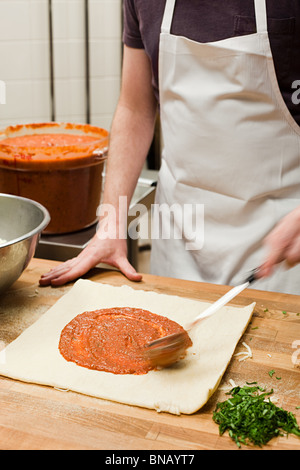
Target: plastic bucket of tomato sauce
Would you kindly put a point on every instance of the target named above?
(59, 165)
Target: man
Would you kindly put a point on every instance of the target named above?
(223, 77)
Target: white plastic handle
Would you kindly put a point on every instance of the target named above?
(219, 303)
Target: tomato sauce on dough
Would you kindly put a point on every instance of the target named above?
(113, 339)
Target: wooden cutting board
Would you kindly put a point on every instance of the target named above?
(38, 417)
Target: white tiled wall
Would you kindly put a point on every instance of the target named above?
(24, 60)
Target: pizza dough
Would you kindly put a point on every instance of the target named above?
(184, 388)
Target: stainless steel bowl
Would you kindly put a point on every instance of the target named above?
(21, 223)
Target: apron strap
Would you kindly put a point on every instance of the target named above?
(168, 16)
(261, 16)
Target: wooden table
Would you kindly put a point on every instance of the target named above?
(40, 417)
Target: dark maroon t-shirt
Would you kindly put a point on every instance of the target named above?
(213, 20)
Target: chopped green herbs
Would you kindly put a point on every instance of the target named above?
(250, 417)
(272, 372)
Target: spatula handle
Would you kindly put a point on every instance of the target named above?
(219, 304)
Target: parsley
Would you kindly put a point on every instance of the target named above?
(251, 417)
(271, 373)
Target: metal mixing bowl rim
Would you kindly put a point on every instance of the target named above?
(38, 229)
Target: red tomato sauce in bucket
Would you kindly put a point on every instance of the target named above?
(58, 165)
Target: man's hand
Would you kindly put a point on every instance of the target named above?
(283, 243)
(108, 251)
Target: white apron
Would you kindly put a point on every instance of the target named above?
(231, 145)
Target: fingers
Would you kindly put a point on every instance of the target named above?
(293, 253)
(283, 244)
(276, 250)
(62, 275)
(268, 267)
(73, 269)
(128, 270)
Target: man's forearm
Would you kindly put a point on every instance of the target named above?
(130, 139)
